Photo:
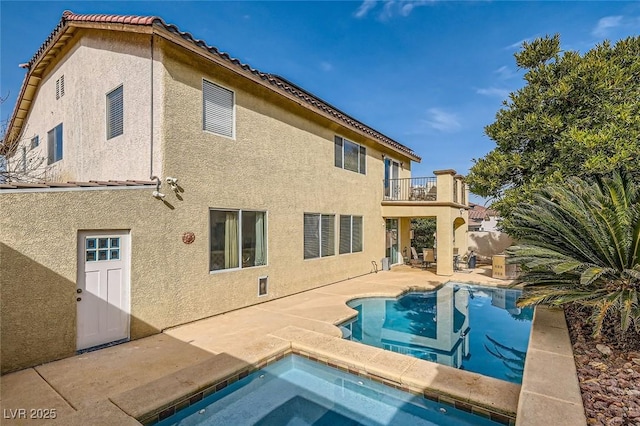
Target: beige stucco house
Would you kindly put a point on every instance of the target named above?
(181, 184)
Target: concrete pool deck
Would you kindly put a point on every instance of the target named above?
(147, 379)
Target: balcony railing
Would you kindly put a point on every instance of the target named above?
(410, 189)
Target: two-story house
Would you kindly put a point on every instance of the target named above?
(181, 183)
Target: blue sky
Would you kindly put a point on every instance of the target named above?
(429, 74)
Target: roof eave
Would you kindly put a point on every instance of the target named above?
(154, 25)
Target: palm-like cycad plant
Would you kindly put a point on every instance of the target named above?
(581, 243)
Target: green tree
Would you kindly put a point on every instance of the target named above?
(581, 243)
(423, 230)
(577, 115)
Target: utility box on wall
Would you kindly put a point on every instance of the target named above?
(385, 264)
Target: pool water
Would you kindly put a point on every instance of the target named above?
(296, 391)
(474, 328)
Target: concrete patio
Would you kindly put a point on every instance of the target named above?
(147, 379)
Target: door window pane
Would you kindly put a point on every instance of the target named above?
(102, 249)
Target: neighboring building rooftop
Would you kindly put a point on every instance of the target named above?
(478, 212)
(70, 21)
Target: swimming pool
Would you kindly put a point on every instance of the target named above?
(475, 328)
(297, 391)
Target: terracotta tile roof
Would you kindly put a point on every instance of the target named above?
(279, 84)
(478, 212)
(91, 183)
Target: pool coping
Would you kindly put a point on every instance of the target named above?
(549, 392)
(550, 389)
(410, 383)
(471, 392)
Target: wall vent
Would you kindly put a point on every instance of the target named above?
(60, 87)
(263, 286)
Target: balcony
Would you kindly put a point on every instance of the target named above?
(411, 189)
(446, 187)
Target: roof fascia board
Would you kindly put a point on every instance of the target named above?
(67, 189)
(142, 29)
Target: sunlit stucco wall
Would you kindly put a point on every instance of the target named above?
(281, 161)
(93, 64)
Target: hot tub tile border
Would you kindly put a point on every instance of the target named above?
(428, 394)
(160, 414)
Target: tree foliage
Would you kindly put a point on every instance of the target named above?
(423, 231)
(577, 115)
(581, 243)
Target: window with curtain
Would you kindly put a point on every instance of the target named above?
(217, 109)
(350, 234)
(319, 235)
(349, 155)
(115, 113)
(238, 239)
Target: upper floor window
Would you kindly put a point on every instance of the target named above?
(350, 156)
(54, 142)
(35, 141)
(350, 234)
(319, 235)
(238, 239)
(217, 109)
(115, 113)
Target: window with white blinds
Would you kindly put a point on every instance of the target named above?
(217, 109)
(115, 113)
(319, 235)
(349, 155)
(350, 234)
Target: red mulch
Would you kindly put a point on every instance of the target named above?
(610, 384)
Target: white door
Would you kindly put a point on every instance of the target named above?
(103, 288)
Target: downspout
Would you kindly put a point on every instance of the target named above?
(151, 116)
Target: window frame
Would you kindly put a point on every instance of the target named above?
(339, 157)
(240, 241)
(233, 110)
(321, 254)
(52, 147)
(108, 115)
(351, 234)
(35, 141)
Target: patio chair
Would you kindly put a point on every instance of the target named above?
(415, 258)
